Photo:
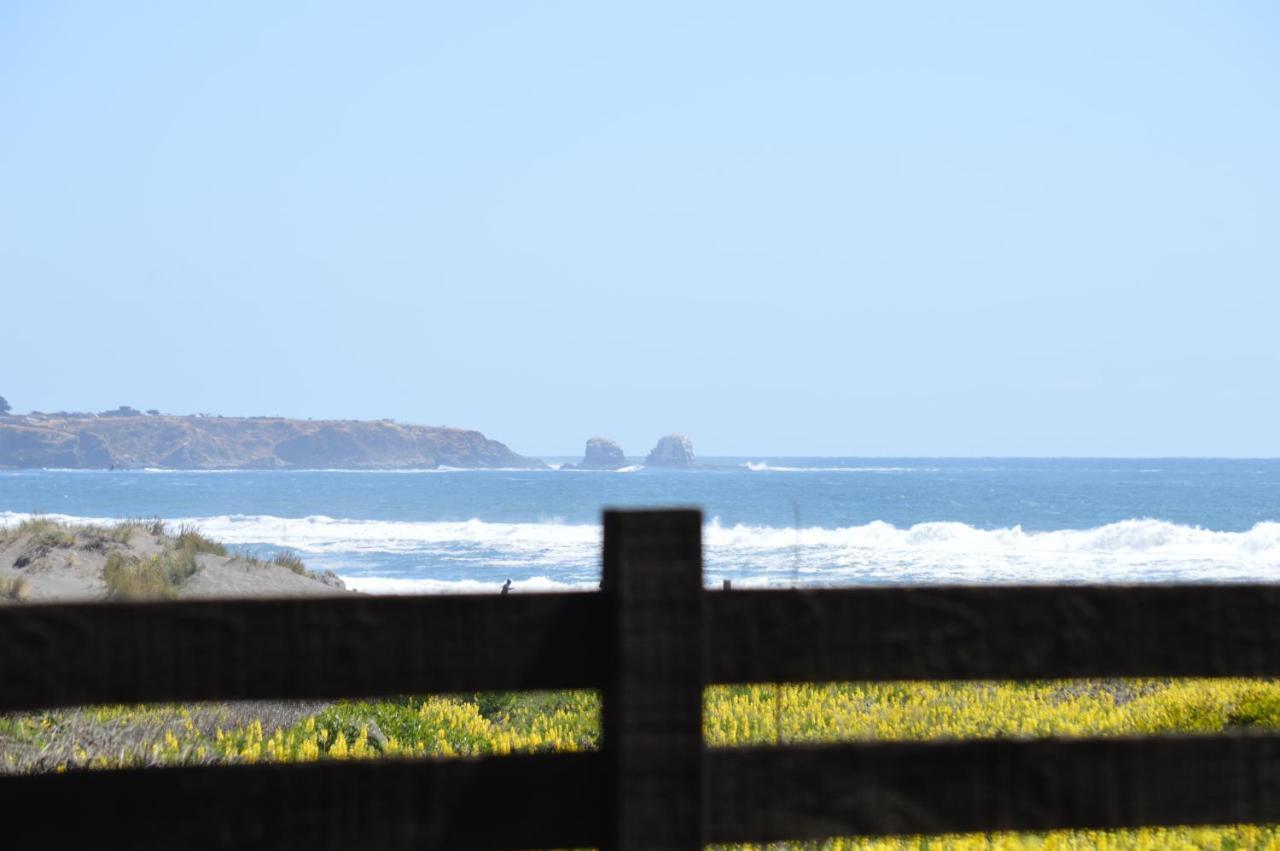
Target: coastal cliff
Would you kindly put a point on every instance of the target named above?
(229, 443)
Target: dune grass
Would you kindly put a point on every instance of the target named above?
(155, 578)
(47, 533)
(289, 561)
(190, 539)
(14, 590)
(42, 532)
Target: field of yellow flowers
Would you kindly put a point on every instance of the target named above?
(568, 721)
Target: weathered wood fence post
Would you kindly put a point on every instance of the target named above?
(652, 707)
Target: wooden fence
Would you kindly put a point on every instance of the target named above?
(650, 642)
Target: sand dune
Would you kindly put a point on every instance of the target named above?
(44, 561)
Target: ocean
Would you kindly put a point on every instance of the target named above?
(773, 522)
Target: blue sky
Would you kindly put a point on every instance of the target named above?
(805, 228)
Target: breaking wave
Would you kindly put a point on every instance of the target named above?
(438, 556)
(878, 552)
(401, 585)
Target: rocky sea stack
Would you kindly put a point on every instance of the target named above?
(602, 454)
(674, 450)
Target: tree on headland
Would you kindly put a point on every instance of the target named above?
(4, 406)
(122, 411)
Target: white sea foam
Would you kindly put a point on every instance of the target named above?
(765, 467)
(400, 585)
(548, 543)
(168, 472)
(877, 552)
(1131, 551)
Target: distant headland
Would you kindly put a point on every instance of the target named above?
(128, 438)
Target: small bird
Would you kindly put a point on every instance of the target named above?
(506, 586)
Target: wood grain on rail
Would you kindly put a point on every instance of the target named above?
(62, 655)
(993, 632)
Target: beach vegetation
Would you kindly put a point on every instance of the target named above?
(290, 561)
(134, 579)
(156, 578)
(285, 558)
(189, 538)
(736, 716)
(524, 722)
(179, 565)
(123, 532)
(42, 533)
(16, 589)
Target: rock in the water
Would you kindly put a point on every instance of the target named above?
(674, 450)
(602, 454)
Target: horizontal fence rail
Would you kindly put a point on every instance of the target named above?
(68, 655)
(650, 642)
(990, 785)
(532, 801)
(980, 633)
(752, 795)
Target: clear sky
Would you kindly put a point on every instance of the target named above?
(782, 228)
